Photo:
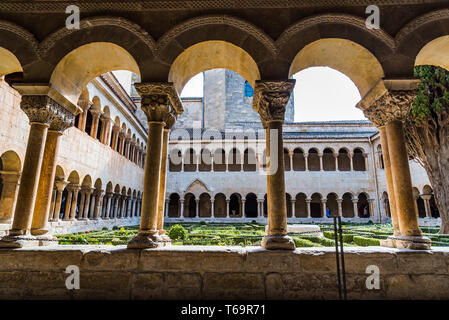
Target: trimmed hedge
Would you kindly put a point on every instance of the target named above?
(304, 243)
(347, 238)
(365, 242)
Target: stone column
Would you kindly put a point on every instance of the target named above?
(81, 205)
(227, 207)
(243, 207)
(426, 198)
(351, 162)
(306, 161)
(290, 155)
(197, 207)
(121, 145)
(323, 207)
(115, 131)
(107, 212)
(336, 161)
(41, 111)
(355, 207)
(181, 201)
(260, 207)
(387, 105)
(340, 207)
(84, 105)
(122, 207)
(126, 147)
(212, 207)
(60, 185)
(371, 207)
(87, 193)
(93, 204)
(98, 194)
(95, 118)
(270, 99)
(75, 191)
(108, 133)
(320, 156)
(308, 201)
(161, 103)
(115, 213)
(68, 204)
(365, 157)
(162, 183)
(293, 204)
(8, 199)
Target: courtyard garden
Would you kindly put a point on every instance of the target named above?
(248, 234)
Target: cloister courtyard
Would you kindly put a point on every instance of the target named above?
(108, 172)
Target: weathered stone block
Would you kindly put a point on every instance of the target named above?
(233, 286)
(147, 286)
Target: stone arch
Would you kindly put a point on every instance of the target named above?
(209, 55)
(98, 184)
(173, 206)
(18, 48)
(190, 206)
(287, 166)
(332, 204)
(190, 160)
(10, 161)
(358, 160)
(197, 188)
(344, 161)
(205, 206)
(235, 205)
(87, 182)
(249, 160)
(347, 205)
(220, 206)
(299, 162)
(301, 205)
(234, 160)
(74, 178)
(313, 160)
(328, 160)
(363, 207)
(251, 205)
(10, 167)
(316, 210)
(79, 66)
(109, 187)
(205, 163)
(59, 174)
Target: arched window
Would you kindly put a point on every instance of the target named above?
(286, 160)
(347, 206)
(234, 161)
(301, 206)
(328, 160)
(344, 163)
(313, 160)
(251, 206)
(220, 206)
(249, 92)
(219, 160)
(235, 205)
(175, 160)
(249, 160)
(299, 163)
(173, 206)
(358, 160)
(205, 161)
(316, 210)
(205, 206)
(190, 161)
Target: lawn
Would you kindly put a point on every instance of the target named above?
(247, 234)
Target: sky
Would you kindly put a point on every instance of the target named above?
(321, 94)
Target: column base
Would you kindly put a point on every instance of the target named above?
(18, 241)
(47, 240)
(278, 242)
(165, 238)
(407, 242)
(146, 241)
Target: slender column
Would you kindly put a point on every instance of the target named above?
(76, 190)
(115, 131)
(116, 212)
(306, 161)
(227, 208)
(243, 207)
(93, 204)
(336, 161)
(98, 201)
(356, 207)
(365, 157)
(129, 207)
(290, 155)
(320, 156)
(212, 206)
(127, 146)
(323, 208)
(52, 203)
(340, 207)
(41, 111)
(182, 207)
(308, 201)
(162, 183)
(68, 204)
(197, 207)
(270, 99)
(371, 207)
(84, 105)
(81, 205)
(108, 205)
(122, 208)
(95, 118)
(351, 162)
(87, 193)
(293, 204)
(426, 198)
(121, 146)
(260, 207)
(10, 180)
(161, 104)
(108, 133)
(60, 185)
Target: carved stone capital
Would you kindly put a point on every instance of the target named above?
(62, 120)
(157, 107)
(163, 89)
(271, 98)
(39, 109)
(389, 100)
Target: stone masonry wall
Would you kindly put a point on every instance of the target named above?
(108, 272)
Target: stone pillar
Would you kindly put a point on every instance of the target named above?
(387, 105)
(162, 183)
(126, 147)
(41, 111)
(98, 194)
(426, 198)
(52, 203)
(60, 185)
(115, 131)
(260, 207)
(371, 207)
(121, 146)
(75, 191)
(161, 104)
(95, 118)
(270, 99)
(306, 161)
(107, 212)
(197, 207)
(340, 207)
(351, 160)
(81, 205)
(87, 193)
(290, 155)
(336, 161)
(356, 208)
(115, 213)
(93, 204)
(84, 105)
(212, 207)
(365, 157)
(8, 199)
(182, 207)
(122, 207)
(243, 207)
(293, 204)
(227, 207)
(320, 156)
(68, 204)
(309, 211)
(323, 208)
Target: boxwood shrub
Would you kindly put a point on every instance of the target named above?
(363, 241)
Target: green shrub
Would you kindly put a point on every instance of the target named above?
(202, 223)
(105, 229)
(347, 238)
(363, 241)
(115, 228)
(304, 243)
(177, 232)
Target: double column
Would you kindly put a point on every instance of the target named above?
(387, 106)
(47, 121)
(270, 100)
(161, 104)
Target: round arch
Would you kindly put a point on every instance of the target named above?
(209, 55)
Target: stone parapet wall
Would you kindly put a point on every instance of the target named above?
(108, 272)
(64, 227)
